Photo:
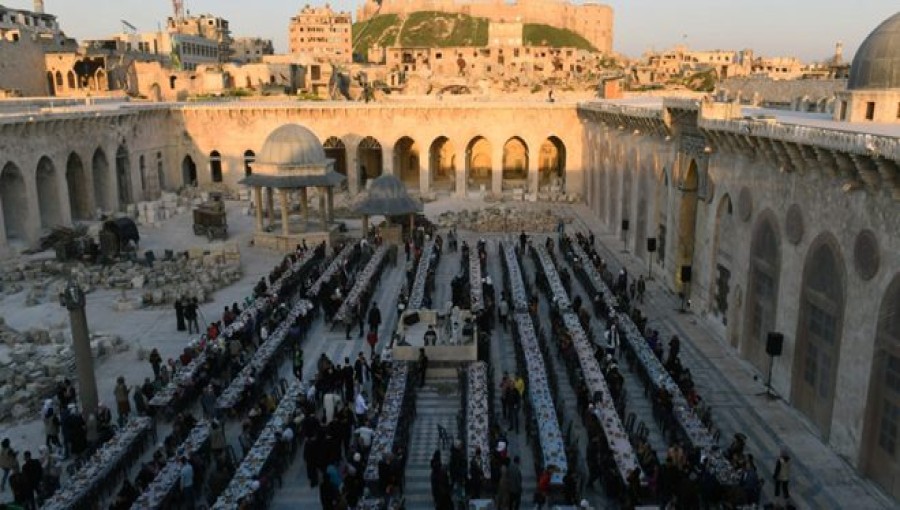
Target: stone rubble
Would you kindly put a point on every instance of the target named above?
(501, 219)
(31, 363)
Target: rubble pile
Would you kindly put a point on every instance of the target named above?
(196, 273)
(31, 363)
(500, 219)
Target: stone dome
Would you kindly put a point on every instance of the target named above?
(387, 195)
(292, 145)
(877, 62)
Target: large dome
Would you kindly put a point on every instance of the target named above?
(877, 62)
(292, 145)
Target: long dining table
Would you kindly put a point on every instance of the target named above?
(616, 437)
(514, 281)
(332, 269)
(389, 419)
(694, 429)
(260, 455)
(159, 492)
(97, 472)
(420, 283)
(364, 280)
(476, 291)
(186, 374)
(477, 412)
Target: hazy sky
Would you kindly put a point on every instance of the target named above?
(804, 28)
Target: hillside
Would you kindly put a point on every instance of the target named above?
(546, 35)
(438, 30)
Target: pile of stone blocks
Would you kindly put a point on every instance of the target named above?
(32, 363)
(500, 219)
(152, 213)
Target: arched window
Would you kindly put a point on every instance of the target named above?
(215, 166)
(762, 292)
(249, 158)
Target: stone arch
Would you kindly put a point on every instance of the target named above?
(763, 280)
(70, 80)
(160, 172)
(552, 164)
(662, 215)
(819, 332)
(515, 164)
(15, 202)
(123, 176)
(58, 80)
(215, 166)
(250, 158)
(628, 171)
(100, 80)
(155, 92)
(881, 431)
(77, 183)
(406, 162)
(336, 150)
(371, 162)
(722, 259)
(479, 164)
(48, 193)
(687, 221)
(442, 158)
(101, 178)
(613, 193)
(51, 86)
(188, 171)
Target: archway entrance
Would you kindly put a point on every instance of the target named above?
(478, 164)
(123, 176)
(249, 159)
(762, 292)
(819, 332)
(48, 194)
(370, 160)
(406, 162)
(215, 166)
(15, 202)
(101, 178)
(640, 228)
(443, 164)
(336, 150)
(723, 243)
(188, 172)
(662, 216)
(882, 431)
(515, 164)
(687, 223)
(76, 182)
(552, 165)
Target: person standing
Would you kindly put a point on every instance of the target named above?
(514, 477)
(122, 405)
(51, 428)
(187, 482)
(32, 472)
(503, 310)
(641, 289)
(476, 475)
(156, 361)
(298, 364)
(190, 315)
(179, 314)
(782, 475)
(8, 462)
(361, 408)
(374, 318)
(423, 366)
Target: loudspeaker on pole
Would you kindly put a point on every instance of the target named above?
(774, 344)
(651, 244)
(686, 273)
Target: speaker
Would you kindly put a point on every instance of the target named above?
(651, 244)
(774, 344)
(686, 274)
(624, 224)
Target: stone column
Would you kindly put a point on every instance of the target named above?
(270, 207)
(73, 299)
(462, 172)
(304, 207)
(329, 203)
(497, 170)
(285, 213)
(387, 161)
(425, 173)
(323, 213)
(532, 173)
(352, 169)
(257, 197)
(365, 226)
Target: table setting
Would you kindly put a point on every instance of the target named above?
(363, 281)
(417, 294)
(256, 459)
(331, 270)
(96, 471)
(476, 292)
(514, 279)
(156, 494)
(388, 420)
(477, 412)
(558, 291)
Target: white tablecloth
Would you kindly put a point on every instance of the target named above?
(388, 420)
(363, 281)
(417, 294)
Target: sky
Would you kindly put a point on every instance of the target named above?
(807, 29)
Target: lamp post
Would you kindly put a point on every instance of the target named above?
(72, 298)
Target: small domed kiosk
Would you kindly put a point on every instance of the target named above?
(387, 196)
(292, 161)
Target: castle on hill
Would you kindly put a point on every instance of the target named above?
(592, 21)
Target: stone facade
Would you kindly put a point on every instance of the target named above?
(322, 34)
(594, 22)
(251, 49)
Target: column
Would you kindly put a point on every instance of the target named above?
(285, 213)
(532, 173)
(270, 207)
(352, 170)
(497, 170)
(329, 197)
(323, 213)
(73, 299)
(462, 171)
(425, 173)
(304, 206)
(387, 161)
(257, 198)
(365, 226)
